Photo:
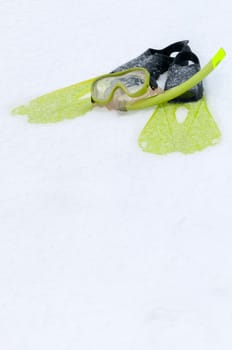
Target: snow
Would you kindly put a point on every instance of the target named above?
(103, 246)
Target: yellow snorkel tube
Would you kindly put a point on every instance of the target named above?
(180, 89)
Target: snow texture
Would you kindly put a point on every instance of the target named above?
(103, 246)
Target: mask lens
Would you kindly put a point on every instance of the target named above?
(131, 82)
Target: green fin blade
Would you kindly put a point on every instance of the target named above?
(66, 103)
(163, 134)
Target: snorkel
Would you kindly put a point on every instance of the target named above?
(180, 89)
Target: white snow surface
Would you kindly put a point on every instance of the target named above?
(103, 246)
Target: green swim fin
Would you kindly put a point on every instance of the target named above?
(65, 103)
(164, 134)
(71, 101)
